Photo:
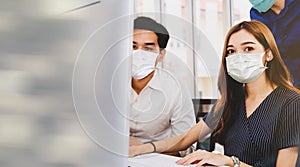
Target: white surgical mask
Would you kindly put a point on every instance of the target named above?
(245, 68)
(143, 63)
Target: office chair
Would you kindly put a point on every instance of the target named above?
(201, 108)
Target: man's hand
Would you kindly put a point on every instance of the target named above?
(132, 151)
(134, 141)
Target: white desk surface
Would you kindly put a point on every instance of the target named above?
(155, 160)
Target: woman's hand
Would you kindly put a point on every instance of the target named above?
(202, 157)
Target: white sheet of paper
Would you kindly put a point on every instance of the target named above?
(154, 160)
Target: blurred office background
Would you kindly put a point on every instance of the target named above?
(39, 45)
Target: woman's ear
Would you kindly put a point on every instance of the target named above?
(269, 55)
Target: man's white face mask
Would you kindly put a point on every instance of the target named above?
(143, 63)
(245, 68)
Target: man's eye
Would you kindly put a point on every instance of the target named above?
(149, 49)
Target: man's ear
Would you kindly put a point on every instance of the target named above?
(161, 55)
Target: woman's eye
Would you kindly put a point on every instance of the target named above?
(248, 49)
(230, 51)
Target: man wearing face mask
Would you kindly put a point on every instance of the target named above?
(160, 106)
(283, 19)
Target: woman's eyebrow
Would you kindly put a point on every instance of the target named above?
(228, 46)
(244, 43)
(249, 42)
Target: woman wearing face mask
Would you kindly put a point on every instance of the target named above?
(283, 19)
(257, 116)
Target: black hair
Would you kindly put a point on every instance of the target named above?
(147, 23)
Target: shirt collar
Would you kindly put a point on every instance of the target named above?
(155, 83)
(286, 7)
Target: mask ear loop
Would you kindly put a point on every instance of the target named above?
(267, 60)
(160, 64)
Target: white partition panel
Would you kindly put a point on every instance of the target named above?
(64, 81)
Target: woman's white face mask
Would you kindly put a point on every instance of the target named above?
(143, 63)
(245, 68)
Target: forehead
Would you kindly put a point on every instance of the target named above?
(241, 37)
(144, 36)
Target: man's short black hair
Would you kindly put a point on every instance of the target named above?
(147, 23)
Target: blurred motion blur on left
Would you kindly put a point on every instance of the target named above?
(39, 44)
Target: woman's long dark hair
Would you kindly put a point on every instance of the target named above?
(232, 92)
